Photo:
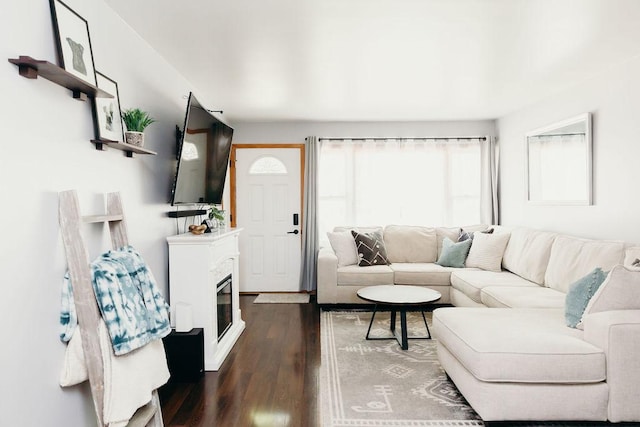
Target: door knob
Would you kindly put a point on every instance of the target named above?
(293, 232)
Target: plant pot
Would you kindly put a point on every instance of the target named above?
(134, 138)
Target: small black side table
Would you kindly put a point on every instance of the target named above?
(185, 355)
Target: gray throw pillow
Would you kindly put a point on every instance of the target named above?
(370, 248)
(454, 254)
(468, 235)
(579, 294)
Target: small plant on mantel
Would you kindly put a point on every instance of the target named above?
(217, 214)
(136, 122)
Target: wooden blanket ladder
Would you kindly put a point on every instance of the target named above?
(88, 314)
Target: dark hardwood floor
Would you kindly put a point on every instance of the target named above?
(270, 378)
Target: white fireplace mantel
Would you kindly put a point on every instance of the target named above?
(196, 264)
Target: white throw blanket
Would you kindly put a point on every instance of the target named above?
(129, 379)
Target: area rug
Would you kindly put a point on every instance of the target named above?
(281, 298)
(375, 383)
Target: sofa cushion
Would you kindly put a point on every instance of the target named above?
(344, 246)
(370, 248)
(406, 243)
(416, 273)
(471, 281)
(487, 250)
(579, 295)
(442, 232)
(527, 253)
(518, 345)
(454, 254)
(522, 297)
(572, 258)
(375, 275)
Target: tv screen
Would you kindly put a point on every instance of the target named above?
(203, 157)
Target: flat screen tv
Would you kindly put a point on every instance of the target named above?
(203, 157)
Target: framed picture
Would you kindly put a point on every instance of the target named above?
(73, 42)
(107, 111)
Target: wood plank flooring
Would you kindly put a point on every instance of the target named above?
(270, 378)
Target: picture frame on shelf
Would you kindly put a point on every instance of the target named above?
(73, 42)
(107, 111)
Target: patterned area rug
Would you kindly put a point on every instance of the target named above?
(282, 298)
(375, 383)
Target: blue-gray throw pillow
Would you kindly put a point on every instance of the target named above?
(454, 254)
(579, 295)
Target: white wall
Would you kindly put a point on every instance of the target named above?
(614, 100)
(45, 149)
(296, 132)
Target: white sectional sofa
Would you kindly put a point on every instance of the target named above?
(505, 344)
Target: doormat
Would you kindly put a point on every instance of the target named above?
(282, 298)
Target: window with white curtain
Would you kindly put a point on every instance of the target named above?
(433, 182)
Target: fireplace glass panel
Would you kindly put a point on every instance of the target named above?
(223, 290)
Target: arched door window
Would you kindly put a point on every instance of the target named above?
(267, 165)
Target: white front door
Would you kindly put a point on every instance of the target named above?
(267, 194)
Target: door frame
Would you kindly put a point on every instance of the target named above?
(232, 175)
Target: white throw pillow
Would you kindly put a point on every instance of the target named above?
(619, 291)
(344, 246)
(487, 250)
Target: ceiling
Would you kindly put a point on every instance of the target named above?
(384, 60)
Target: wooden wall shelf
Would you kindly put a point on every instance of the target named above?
(32, 68)
(127, 148)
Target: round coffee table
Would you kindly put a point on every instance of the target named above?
(399, 298)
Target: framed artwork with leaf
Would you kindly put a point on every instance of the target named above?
(107, 111)
(73, 42)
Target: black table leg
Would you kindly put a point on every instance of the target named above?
(393, 321)
(424, 319)
(403, 329)
(373, 316)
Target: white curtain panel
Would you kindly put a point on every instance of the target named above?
(310, 243)
(489, 181)
(433, 181)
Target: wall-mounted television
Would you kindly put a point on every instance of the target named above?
(203, 157)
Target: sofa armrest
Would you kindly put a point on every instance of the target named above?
(617, 332)
(327, 276)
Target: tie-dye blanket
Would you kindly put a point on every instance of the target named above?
(129, 300)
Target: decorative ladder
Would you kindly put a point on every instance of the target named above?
(78, 261)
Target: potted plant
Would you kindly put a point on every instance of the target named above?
(216, 214)
(136, 121)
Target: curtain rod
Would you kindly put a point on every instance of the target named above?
(443, 138)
